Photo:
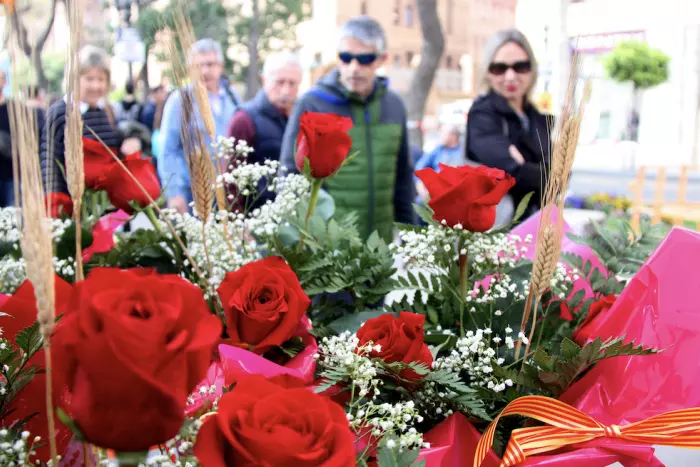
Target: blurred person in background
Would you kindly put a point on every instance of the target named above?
(504, 129)
(98, 116)
(449, 151)
(207, 55)
(378, 183)
(7, 185)
(152, 111)
(262, 121)
(128, 109)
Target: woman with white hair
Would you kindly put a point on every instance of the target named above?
(504, 129)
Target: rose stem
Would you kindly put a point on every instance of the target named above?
(313, 200)
(463, 283)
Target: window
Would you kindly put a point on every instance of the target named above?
(363, 8)
(397, 60)
(409, 58)
(397, 12)
(448, 62)
(408, 16)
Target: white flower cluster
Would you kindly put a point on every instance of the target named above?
(227, 244)
(16, 448)
(246, 177)
(475, 354)
(388, 421)
(367, 417)
(341, 353)
(266, 220)
(496, 251)
(422, 247)
(12, 274)
(497, 287)
(8, 226)
(229, 148)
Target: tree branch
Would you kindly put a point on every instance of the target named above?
(432, 50)
(41, 40)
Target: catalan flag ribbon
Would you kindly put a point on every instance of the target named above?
(567, 425)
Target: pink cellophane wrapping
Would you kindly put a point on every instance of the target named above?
(530, 227)
(660, 307)
(235, 362)
(103, 233)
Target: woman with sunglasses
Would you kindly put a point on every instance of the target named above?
(504, 129)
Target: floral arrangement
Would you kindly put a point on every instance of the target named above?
(272, 333)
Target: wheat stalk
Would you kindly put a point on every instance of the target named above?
(202, 182)
(35, 234)
(75, 174)
(550, 231)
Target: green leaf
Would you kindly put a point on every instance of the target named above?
(29, 340)
(425, 213)
(522, 206)
(293, 347)
(353, 322)
(64, 418)
(569, 349)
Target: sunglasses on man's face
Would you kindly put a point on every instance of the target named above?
(500, 68)
(362, 59)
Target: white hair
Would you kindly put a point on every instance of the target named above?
(205, 46)
(366, 30)
(278, 60)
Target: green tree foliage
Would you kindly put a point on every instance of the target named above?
(230, 26)
(52, 66)
(635, 61)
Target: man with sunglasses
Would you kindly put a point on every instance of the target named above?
(378, 183)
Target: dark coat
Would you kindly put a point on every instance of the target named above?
(53, 137)
(493, 125)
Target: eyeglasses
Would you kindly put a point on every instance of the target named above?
(362, 59)
(500, 68)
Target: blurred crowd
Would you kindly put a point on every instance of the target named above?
(504, 129)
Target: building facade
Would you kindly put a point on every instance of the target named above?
(669, 117)
(467, 24)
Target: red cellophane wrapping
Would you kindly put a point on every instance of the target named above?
(660, 307)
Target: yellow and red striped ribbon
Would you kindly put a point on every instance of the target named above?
(567, 425)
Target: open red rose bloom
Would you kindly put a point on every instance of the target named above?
(275, 422)
(466, 195)
(129, 349)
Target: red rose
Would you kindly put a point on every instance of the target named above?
(582, 334)
(466, 195)
(401, 339)
(129, 349)
(324, 140)
(264, 304)
(21, 312)
(266, 422)
(97, 160)
(59, 205)
(122, 189)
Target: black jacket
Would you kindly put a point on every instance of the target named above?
(53, 141)
(493, 125)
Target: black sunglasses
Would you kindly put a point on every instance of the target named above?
(362, 59)
(500, 68)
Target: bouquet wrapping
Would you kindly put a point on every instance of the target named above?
(658, 308)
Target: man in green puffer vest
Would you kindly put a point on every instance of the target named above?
(378, 183)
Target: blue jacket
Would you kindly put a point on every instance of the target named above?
(441, 154)
(172, 165)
